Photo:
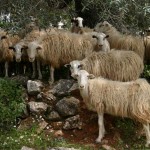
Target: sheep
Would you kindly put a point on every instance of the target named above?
(102, 42)
(59, 48)
(115, 65)
(21, 53)
(77, 26)
(125, 99)
(147, 48)
(7, 54)
(60, 25)
(120, 41)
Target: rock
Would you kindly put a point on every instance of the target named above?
(47, 97)
(68, 106)
(72, 123)
(34, 87)
(26, 148)
(37, 107)
(61, 148)
(26, 123)
(57, 125)
(42, 125)
(62, 87)
(74, 87)
(107, 147)
(22, 80)
(58, 133)
(52, 116)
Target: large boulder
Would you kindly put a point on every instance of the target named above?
(68, 106)
(34, 87)
(62, 87)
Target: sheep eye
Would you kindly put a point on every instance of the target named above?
(80, 66)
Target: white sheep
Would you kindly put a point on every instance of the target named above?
(21, 53)
(115, 65)
(102, 42)
(121, 41)
(60, 48)
(125, 99)
(77, 26)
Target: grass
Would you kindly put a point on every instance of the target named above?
(16, 139)
(129, 139)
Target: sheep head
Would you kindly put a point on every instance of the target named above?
(102, 27)
(75, 66)
(83, 76)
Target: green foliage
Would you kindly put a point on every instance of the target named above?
(11, 103)
(125, 15)
(146, 72)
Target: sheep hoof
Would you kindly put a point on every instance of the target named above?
(147, 144)
(40, 77)
(33, 76)
(50, 82)
(98, 140)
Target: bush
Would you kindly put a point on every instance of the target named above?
(11, 103)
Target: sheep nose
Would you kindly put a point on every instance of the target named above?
(18, 59)
(81, 86)
(74, 75)
(93, 29)
(31, 59)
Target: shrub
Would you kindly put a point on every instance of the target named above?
(11, 103)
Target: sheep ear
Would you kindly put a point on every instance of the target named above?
(67, 65)
(106, 36)
(11, 48)
(39, 48)
(80, 66)
(3, 37)
(94, 36)
(24, 47)
(91, 76)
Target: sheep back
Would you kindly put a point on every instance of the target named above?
(115, 65)
(125, 99)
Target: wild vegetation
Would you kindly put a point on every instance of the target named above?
(128, 16)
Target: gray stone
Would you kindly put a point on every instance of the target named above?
(61, 148)
(68, 106)
(47, 97)
(52, 116)
(73, 123)
(26, 148)
(62, 87)
(22, 80)
(37, 107)
(34, 87)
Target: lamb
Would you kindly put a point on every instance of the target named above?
(5, 53)
(77, 26)
(120, 41)
(125, 99)
(60, 48)
(115, 65)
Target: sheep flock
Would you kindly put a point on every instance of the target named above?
(106, 63)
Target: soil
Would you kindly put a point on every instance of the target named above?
(89, 132)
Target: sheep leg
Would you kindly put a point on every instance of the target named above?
(147, 132)
(51, 80)
(101, 128)
(34, 70)
(39, 70)
(6, 69)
